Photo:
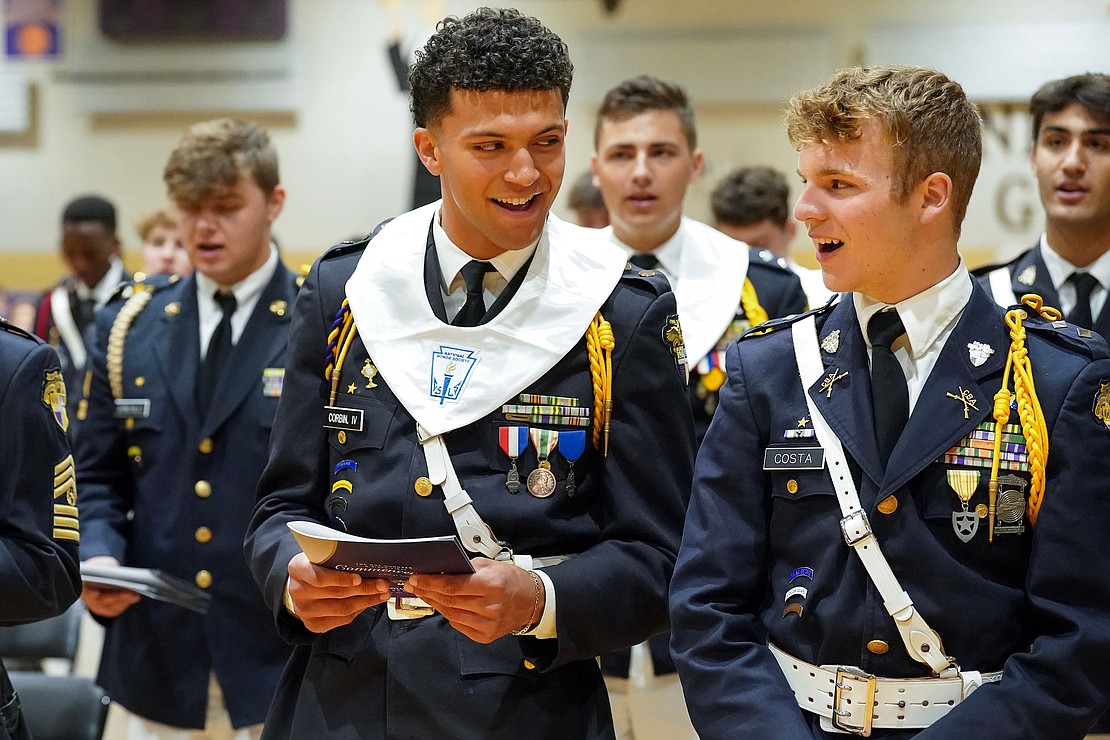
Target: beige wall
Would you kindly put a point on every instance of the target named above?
(342, 127)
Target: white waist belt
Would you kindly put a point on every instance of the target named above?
(844, 695)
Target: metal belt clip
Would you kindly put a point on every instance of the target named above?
(855, 527)
(848, 679)
(402, 608)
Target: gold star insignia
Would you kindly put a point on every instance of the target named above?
(351, 388)
(803, 421)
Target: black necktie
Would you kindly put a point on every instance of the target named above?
(219, 347)
(474, 273)
(1084, 283)
(644, 260)
(83, 310)
(890, 397)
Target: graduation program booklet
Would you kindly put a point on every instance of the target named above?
(393, 560)
(153, 584)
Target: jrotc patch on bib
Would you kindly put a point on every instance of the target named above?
(451, 367)
(54, 397)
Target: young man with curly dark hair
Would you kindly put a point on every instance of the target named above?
(476, 367)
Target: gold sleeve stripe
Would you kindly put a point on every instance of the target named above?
(66, 522)
(67, 534)
(64, 465)
(65, 481)
(63, 510)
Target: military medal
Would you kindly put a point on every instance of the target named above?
(369, 371)
(572, 444)
(1010, 505)
(964, 523)
(513, 441)
(541, 481)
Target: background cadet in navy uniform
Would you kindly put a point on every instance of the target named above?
(1070, 266)
(489, 99)
(763, 558)
(39, 531)
(90, 251)
(752, 204)
(177, 436)
(645, 157)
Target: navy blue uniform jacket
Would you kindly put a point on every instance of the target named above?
(1033, 604)
(176, 473)
(377, 678)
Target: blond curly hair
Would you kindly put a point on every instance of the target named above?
(214, 154)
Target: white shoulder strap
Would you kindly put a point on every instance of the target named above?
(922, 643)
(1002, 290)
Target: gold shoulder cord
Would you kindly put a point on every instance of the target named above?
(1029, 410)
(342, 333)
(749, 301)
(117, 336)
(599, 346)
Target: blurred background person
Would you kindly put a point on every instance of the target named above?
(585, 200)
(752, 204)
(163, 247)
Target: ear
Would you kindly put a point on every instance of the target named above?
(699, 162)
(427, 150)
(935, 192)
(275, 203)
(593, 169)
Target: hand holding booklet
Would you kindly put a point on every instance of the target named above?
(153, 584)
(393, 559)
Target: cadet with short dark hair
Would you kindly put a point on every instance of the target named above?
(891, 505)
(514, 384)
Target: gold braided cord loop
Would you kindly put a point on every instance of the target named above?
(117, 336)
(599, 346)
(339, 340)
(749, 301)
(1033, 426)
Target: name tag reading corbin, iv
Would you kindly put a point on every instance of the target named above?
(337, 417)
(793, 458)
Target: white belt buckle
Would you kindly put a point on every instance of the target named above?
(849, 678)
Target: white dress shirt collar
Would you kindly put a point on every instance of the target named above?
(246, 291)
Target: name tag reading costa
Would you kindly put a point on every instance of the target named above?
(132, 408)
(337, 417)
(793, 458)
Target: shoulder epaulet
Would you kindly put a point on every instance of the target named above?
(11, 328)
(653, 278)
(348, 247)
(765, 258)
(143, 282)
(987, 269)
(773, 325)
(1061, 332)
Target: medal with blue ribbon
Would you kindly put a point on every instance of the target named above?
(513, 441)
(572, 444)
(541, 481)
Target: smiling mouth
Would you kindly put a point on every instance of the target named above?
(519, 205)
(828, 246)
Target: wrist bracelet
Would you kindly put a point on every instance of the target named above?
(532, 622)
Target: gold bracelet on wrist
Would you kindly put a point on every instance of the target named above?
(532, 621)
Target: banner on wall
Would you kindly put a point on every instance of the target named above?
(32, 29)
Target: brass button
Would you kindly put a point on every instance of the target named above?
(423, 486)
(203, 579)
(128, 423)
(342, 437)
(981, 510)
(878, 647)
(529, 665)
(791, 486)
(134, 452)
(203, 534)
(140, 381)
(203, 488)
(205, 445)
(888, 505)
(172, 309)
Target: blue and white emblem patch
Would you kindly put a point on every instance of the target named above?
(451, 367)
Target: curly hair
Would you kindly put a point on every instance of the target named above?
(749, 195)
(1092, 91)
(489, 49)
(146, 223)
(646, 93)
(213, 154)
(925, 117)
